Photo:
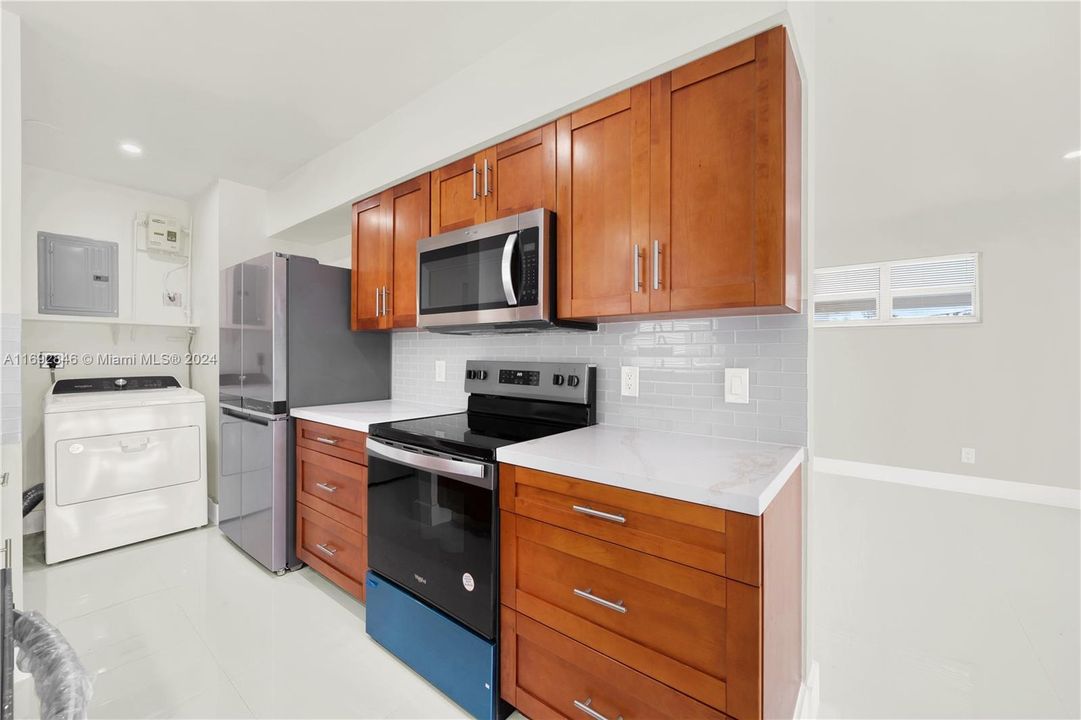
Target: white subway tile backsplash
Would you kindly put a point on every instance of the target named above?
(682, 365)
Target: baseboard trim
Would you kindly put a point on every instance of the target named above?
(211, 511)
(952, 482)
(34, 522)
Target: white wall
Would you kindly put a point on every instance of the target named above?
(10, 297)
(58, 203)
(942, 128)
(533, 74)
(204, 269)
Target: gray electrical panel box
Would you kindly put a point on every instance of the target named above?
(77, 276)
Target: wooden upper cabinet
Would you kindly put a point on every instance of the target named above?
(725, 180)
(602, 207)
(521, 174)
(386, 228)
(511, 177)
(457, 201)
(409, 217)
(372, 259)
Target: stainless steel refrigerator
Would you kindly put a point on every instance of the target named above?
(285, 343)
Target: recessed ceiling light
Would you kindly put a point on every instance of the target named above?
(131, 148)
(1072, 155)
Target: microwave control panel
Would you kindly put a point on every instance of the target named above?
(528, 244)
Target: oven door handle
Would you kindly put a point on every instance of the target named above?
(508, 281)
(468, 472)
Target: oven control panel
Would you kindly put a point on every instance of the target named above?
(564, 382)
(518, 377)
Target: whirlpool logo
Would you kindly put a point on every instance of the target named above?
(421, 580)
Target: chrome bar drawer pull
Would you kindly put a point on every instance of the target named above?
(328, 488)
(377, 302)
(611, 517)
(588, 595)
(328, 551)
(474, 181)
(327, 441)
(585, 707)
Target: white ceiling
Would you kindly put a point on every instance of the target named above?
(247, 91)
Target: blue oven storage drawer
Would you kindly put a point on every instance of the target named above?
(451, 657)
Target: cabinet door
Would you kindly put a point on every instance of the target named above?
(409, 208)
(602, 207)
(718, 185)
(456, 190)
(371, 263)
(520, 174)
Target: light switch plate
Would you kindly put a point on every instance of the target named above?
(440, 370)
(628, 384)
(737, 385)
(968, 455)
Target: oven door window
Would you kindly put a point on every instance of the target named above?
(468, 276)
(433, 535)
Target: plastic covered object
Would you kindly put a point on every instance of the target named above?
(62, 684)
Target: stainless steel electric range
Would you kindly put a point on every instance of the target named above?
(433, 520)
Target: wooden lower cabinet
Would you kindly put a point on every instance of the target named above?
(331, 510)
(611, 610)
(336, 551)
(546, 674)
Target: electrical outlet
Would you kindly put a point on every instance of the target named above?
(968, 455)
(440, 370)
(48, 358)
(172, 299)
(628, 384)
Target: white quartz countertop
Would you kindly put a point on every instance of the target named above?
(359, 415)
(736, 475)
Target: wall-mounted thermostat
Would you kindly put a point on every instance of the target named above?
(164, 235)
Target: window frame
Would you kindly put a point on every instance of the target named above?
(885, 294)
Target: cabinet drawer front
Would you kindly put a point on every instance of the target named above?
(333, 486)
(702, 537)
(654, 615)
(331, 548)
(555, 676)
(339, 442)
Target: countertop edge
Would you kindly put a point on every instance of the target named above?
(336, 421)
(747, 505)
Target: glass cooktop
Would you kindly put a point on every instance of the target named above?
(471, 434)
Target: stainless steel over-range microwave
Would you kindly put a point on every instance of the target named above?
(497, 277)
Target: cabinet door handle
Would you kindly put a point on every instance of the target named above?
(328, 488)
(385, 306)
(611, 517)
(637, 268)
(588, 595)
(656, 264)
(377, 302)
(485, 177)
(328, 551)
(585, 707)
(474, 181)
(326, 440)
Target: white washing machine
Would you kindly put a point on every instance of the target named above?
(125, 460)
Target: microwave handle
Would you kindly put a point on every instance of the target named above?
(508, 283)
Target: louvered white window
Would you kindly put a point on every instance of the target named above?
(926, 290)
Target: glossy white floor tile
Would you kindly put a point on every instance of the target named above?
(189, 627)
